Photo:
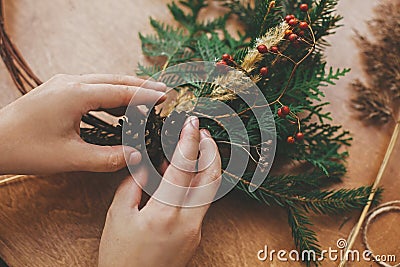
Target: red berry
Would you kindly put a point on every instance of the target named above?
(274, 49)
(264, 71)
(299, 136)
(280, 114)
(301, 33)
(262, 49)
(304, 7)
(222, 66)
(285, 110)
(293, 37)
(288, 32)
(303, 25)
(291, 140)
(289, 17)
(221, 63)
(226, 57)
(293, 22)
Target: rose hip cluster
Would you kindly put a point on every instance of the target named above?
(294, 35)
(283, 112)
(297, 27)
(226, 61)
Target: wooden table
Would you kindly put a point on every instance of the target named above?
(57, 220)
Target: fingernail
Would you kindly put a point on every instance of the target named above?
(161, 84)
(162, 98)
(205, 133)
(195, 122)
(151, 82)
(134, 158)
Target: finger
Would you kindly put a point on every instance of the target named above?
(128, 194)
(209, 161)
(93, 158)
(163, 166)
(113, 96)
(182, 169)
(121, 111)
(134, 112)
(121, 80)
(117, 112)
(205, 184)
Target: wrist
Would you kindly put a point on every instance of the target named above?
(7, 145)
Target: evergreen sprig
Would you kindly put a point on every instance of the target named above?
(304, 238)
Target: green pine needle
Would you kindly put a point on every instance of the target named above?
(321, 153)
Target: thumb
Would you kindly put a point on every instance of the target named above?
(129, 192)
(96, 158)
(128, 195)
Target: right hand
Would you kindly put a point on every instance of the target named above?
(159, 234)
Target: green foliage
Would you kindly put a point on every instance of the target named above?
(322, 152)
(253, 15)
(304, 238)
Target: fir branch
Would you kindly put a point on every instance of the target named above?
(336, 202)
(210, 48)
(324, 19)
(169, 41)
(188, 20)
(282, 191)
(256, 17)
(332, 76)
(148, 71)
(305, 238)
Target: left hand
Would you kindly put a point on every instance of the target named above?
(39, 132)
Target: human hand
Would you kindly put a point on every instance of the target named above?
(39, 132)
(159, 234)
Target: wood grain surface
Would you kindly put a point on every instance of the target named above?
(57, 220)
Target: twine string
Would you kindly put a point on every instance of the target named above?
(389, 207)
